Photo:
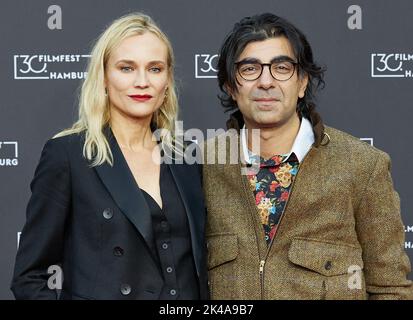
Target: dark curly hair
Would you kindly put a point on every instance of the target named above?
(258, 28)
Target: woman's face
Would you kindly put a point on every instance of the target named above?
(137, 76)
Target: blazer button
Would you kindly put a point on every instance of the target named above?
(125, 289)
(328, 265)
(118, 251)
(164, 225)
(107, 213)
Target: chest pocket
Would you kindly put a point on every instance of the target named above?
(339, 265)
(222, 252)
(222, 248)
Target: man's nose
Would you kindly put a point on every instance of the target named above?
(266, 80)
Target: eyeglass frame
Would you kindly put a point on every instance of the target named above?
(264, 65)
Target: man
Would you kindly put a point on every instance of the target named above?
(315, 216)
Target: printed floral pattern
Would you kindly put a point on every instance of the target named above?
(271, 187)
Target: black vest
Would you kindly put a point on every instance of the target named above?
(172, 241)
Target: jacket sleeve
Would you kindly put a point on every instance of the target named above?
(42, 238)
(381, 234)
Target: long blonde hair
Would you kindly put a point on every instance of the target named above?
(94, 112)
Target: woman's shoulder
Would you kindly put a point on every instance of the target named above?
(61, 148)
(67, 141)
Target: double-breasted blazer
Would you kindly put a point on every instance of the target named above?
(95, 224)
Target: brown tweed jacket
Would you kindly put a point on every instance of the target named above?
(340, 237)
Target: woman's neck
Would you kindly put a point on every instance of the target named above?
(132, 134)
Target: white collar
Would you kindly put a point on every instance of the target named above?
(302, 143)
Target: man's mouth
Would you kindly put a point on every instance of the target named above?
(266, 99)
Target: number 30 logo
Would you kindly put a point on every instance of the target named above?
(385, 61)
(386, 65)
(205, 65)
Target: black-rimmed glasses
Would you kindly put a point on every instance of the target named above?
(280, 70)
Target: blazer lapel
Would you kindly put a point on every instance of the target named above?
(124, 190)
(193, 203)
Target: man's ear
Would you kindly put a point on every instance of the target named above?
(303, 85)
(229, 91)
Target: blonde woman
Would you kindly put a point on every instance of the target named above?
(106, 215)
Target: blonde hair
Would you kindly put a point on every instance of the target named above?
(94, 112)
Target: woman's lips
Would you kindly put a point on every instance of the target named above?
(140, 97)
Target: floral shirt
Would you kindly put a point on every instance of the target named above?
(271, 187)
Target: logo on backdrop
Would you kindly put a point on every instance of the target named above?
(393, 65)
(206, 65)
(9, 154)
(408, 229)
(50, 67)
(55, 20)
(354, 21)
(368, 140)
(18, 238)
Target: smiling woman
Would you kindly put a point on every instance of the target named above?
(118, 222)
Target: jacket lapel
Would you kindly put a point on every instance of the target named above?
(124, 190)
(193, 203)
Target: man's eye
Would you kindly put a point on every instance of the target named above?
(249, 69)
(283, 68)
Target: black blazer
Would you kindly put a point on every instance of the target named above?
(79, 216)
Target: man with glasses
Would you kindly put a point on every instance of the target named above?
(312, 214)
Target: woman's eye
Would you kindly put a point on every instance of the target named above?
(155, 69)
(126, 69)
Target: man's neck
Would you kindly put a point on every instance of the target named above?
(277, 139)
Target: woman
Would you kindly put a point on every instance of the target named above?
(103, 210)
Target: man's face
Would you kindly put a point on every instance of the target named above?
(267, 102)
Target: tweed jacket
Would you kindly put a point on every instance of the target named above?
(340, 237)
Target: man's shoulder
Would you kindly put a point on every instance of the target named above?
(220, 138)
(346, 144)
(221, 148)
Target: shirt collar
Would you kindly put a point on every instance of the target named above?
(302, 143)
